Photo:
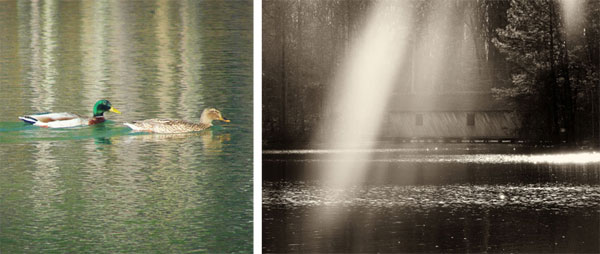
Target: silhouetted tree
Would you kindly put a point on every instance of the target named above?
(546, 75)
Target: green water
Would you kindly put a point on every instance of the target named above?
(103, 188)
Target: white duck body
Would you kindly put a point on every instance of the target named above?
(56, 120)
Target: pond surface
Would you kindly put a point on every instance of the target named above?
(434, 198)
(103, 188)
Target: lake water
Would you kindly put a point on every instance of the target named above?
(434, 198)
(104, 189)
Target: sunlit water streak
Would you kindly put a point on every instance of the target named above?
(533, 196)
(478, 197)
(402, 155)
(341, 151)
(432, 218)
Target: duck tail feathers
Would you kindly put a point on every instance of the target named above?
(132, 126)
(28, 119)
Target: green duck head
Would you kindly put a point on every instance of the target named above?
(102, 106)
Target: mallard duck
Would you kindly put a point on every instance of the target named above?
(178, 126)
(65, 120)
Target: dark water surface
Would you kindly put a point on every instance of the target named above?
(104, 189)
(435, 198)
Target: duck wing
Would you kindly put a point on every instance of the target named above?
(146, 125)
(53, 120)
(166, 126)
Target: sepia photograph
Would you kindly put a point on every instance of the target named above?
(126, 126)
(430, 126)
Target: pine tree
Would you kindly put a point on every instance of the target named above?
(541, 91)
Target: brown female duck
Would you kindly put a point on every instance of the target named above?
(178, 126)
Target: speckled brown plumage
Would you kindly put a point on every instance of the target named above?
(169, 126)
(178, 126)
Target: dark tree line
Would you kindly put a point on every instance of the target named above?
(554, 70)
(303, 42)
(523, 54)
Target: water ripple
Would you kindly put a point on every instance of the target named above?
(392, 155)
(559, 197)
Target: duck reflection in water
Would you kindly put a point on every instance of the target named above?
(210, 141)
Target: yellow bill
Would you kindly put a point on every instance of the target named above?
(114, 110)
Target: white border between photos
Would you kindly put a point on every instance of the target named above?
(257, 99)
